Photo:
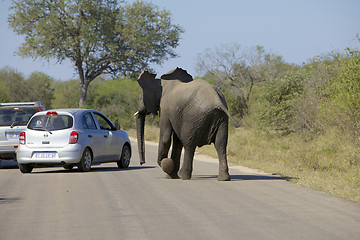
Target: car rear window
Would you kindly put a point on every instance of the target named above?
(16, 116)
(51, 122)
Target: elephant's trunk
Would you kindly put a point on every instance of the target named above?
(140, 127)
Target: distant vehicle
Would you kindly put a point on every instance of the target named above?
(13, 120)
(72, 137)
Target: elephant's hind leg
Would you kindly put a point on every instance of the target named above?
(220, 146)
(187, 167)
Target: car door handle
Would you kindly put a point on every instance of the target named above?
(105, 136)
(90, 136)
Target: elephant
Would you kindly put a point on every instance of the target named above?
(193, 113)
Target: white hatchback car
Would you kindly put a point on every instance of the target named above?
(72, 137)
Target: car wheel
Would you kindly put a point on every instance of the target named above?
(85, 161)
(25, 168)
(125, 157)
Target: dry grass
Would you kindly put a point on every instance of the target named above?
(151, 133)
(329, 162)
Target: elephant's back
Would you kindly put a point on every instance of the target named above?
(196, 111)
(208, 95)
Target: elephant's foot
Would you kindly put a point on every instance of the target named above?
(224, 177)
(172, 176)
(184, 175)
(167, 165)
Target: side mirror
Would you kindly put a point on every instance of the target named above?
(117, 126)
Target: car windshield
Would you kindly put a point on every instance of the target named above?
(51, 122)
(16, 116)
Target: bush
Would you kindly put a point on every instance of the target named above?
(344, 94)
(117, 99)
(277, 102)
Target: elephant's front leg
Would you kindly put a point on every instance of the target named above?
(187, 167)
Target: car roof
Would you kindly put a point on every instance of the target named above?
(39, 105)
(72, 111)
(22, 104)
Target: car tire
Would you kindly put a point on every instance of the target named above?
(25, 168)
(125, 157)
(85, 161)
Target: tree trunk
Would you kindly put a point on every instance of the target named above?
(83, 92)
(83, 83)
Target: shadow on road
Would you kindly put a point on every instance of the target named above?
(116, 169)
(4, 200)
(9, 167)
(243, 177)
(93, 169)
(8, 164)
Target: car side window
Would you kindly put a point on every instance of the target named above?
(88, 121)
(103, 122)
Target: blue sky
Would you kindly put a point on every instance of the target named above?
(298, 30)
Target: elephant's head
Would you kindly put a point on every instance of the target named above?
(149, 102)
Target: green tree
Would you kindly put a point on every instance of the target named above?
(15, 87)
(117, 99)
(98, 36)
(3, 96)
(40, 88)
(66, 94)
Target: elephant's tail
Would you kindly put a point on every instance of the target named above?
(236, 123)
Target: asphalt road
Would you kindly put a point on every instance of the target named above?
(139, 203)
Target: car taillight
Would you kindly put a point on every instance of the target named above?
(22, 138)
(51, 113)
(74, 136)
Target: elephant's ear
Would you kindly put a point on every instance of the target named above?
(145, 79)
(177, 74)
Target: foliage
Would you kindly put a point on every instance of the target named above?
(118, 99)
(345, 92)
(313, 107)
(14, 84)
(98, 36)
(237, 71)
(15, 88)
(3, 96)
(66, 94)
(40, 88)
(278, 101)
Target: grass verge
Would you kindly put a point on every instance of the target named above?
(329, 162)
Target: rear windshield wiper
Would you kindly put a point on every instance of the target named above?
(42, 129)
(16, 123)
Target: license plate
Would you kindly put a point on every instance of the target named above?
(45, 155)
(12, 135)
